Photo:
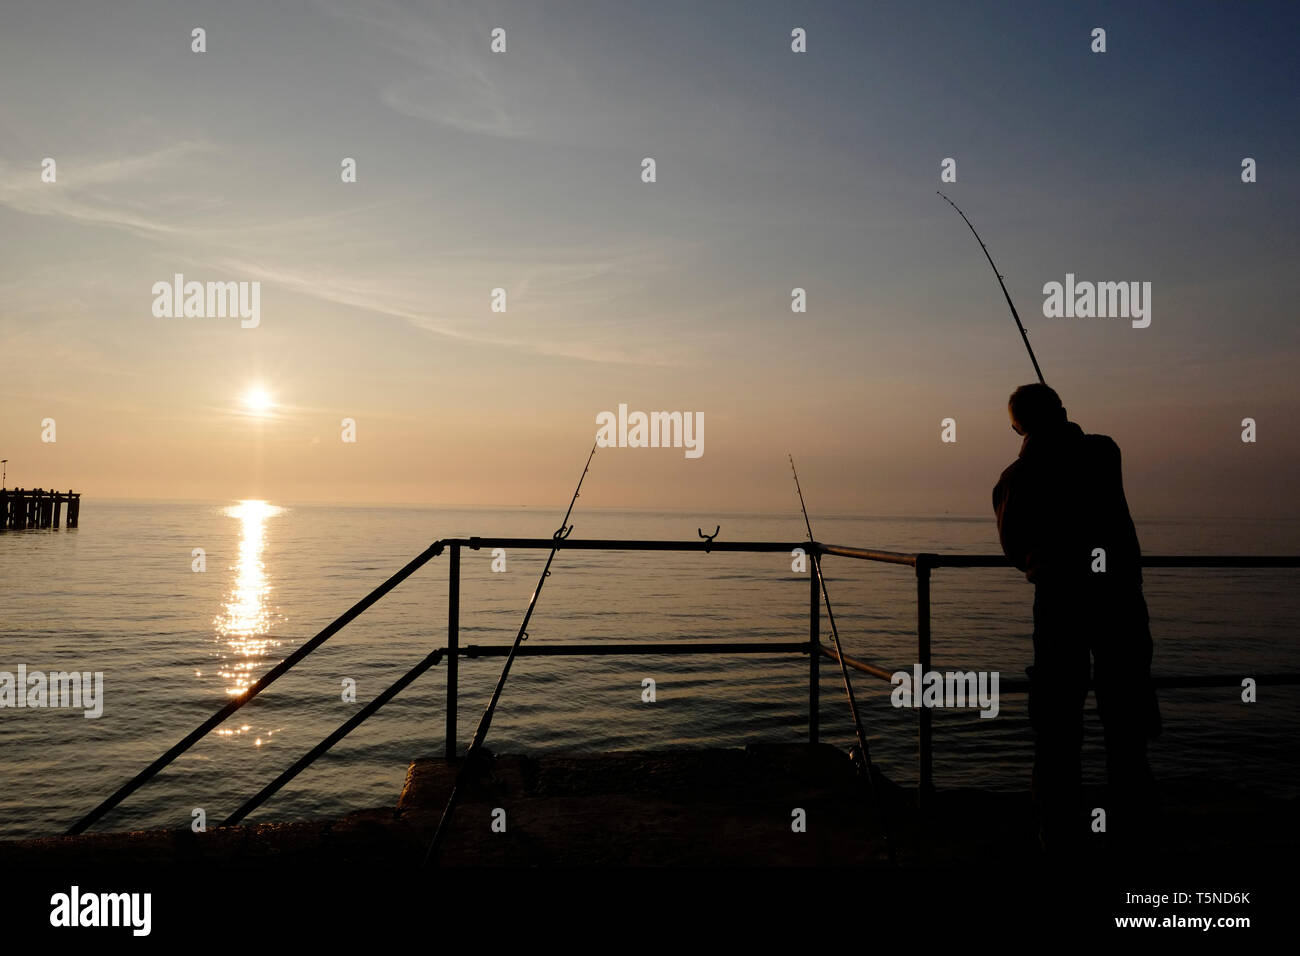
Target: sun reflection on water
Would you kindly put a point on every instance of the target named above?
(245, 622)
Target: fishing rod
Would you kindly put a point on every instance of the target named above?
(863, 751)
(476, 745)
(1014, 314)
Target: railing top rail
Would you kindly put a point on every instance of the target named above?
(934, 560)
(1001, 561)
(625, 544)
(1148, 561)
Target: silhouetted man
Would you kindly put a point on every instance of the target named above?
(1064, 521)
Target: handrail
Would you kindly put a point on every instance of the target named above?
(650, 648)
(922, 562)
(925, 562)
(343, 730)
(270, 677)
(1001, 561)
(629, 544)
(934, 560)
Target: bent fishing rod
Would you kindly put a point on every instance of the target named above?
(864, 752)
(476, 745)
(1014, 314)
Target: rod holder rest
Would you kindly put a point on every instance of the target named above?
(708, 537)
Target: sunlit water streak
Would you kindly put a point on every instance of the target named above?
(247, 617)
(119, 595)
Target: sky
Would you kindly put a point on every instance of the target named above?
(523, 170)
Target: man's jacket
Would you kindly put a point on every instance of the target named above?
(1058, 502)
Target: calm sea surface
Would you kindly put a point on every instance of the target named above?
(119, 595)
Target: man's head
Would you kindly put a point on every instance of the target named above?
(1035, 408)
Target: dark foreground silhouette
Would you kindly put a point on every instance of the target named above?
(1063, 520)
(695, 808)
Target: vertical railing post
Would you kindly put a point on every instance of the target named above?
(453, 645)
(924, 742)
(814, 653)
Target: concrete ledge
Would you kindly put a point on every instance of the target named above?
(682, 808)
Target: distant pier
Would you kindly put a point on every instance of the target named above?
(22, 508)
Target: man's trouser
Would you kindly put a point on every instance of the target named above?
(1071, 624)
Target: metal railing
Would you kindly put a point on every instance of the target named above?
(925, 562)
(922, 563)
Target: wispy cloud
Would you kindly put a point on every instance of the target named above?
(448, 83)
(575, 287)
(82, 192)
(551, 280)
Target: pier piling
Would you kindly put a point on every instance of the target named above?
(22, 508)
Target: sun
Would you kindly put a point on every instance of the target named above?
(257, 401)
